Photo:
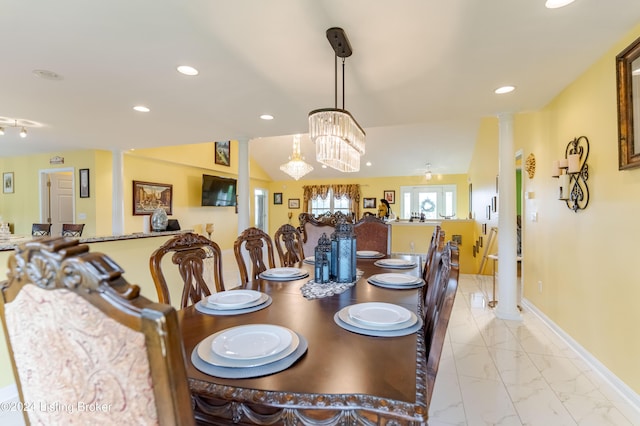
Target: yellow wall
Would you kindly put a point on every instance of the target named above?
(585, 260)
(369, 188)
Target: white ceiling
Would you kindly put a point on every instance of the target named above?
(421, 77)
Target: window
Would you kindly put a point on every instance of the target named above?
(331, 204)
(435, 201)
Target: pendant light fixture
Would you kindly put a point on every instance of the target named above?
(23, 129)
(338, 137)
(296, 167)
(427, 173)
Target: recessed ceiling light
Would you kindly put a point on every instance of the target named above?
(504, 89)
(368, 163)
(187, 70)
(266, 117)
(324, 166)
(141, 108)
(555, 4)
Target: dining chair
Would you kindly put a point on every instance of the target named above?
(437, 243)
(253, 249)
(81, 336)
(373, 233)
(41, 229)
(438, 314)
(72, 229)
(312, 228)
(288, 242)
(197, 259)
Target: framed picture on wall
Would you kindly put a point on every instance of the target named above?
(294, 203)
(369, 203)
(84, 183)
(223, 153)
(7, 183)
(277, 198)
(148, 196)
(390, 196)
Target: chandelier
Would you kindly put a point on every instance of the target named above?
(338, 137)
(296, 167)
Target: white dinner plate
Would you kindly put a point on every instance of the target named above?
(343, 314)
(379, 313)
(395, 279)
(284, 272)
(259, 301)
(233, 299)
(368, 254)
(252, 341)
(206, 354)
(395, 263)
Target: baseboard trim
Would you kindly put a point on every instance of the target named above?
(621, 387)
(8, 393)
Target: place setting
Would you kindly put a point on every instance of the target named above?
(284, 274)
(396, 281)
(250, 350)
(395, 263)
(233, 302)
(378, 319)
(369, 254)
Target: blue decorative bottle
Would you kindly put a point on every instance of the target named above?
(343, 250)
(322, 260)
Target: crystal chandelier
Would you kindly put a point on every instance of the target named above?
(338, 137)
(296, 167)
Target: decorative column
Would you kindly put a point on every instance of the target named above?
(117, 183)
(244, 197)
(507, 226)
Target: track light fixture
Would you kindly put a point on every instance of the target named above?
(23, 129)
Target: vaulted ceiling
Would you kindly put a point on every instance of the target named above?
(420, 79)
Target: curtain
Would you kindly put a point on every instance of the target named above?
(311, 192)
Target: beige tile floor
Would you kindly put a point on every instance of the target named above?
(496, 372)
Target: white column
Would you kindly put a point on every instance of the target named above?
(507, 234)
(244, 197)
(117, 206)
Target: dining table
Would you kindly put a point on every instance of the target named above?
(343, 376)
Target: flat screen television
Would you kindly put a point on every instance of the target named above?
(218, 191)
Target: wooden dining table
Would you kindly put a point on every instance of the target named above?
(343, 378)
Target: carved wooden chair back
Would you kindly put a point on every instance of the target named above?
(374, 234)
(253, 250)
(438, 313)
(437, 243)
(312, 229)
(41, 229)
(72, 229)
(198, 261)
(79, 333)
(288, 242)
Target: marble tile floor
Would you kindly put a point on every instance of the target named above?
(496, 372)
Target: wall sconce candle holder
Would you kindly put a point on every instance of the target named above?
(573, 172)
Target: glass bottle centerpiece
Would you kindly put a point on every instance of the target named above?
(343, 252)
(322, 260)
(159, 220)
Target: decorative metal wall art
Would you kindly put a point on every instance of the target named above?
(573, 172)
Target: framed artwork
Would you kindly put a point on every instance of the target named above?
(369, 203)
(7, 183)
(390, 196)
(294, 203)
(84, 183)
(148, 196)
(277, 198)
(223, 153)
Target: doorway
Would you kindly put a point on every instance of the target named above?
(57, 203)
(261, 210)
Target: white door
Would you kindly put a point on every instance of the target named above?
(57, 202)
